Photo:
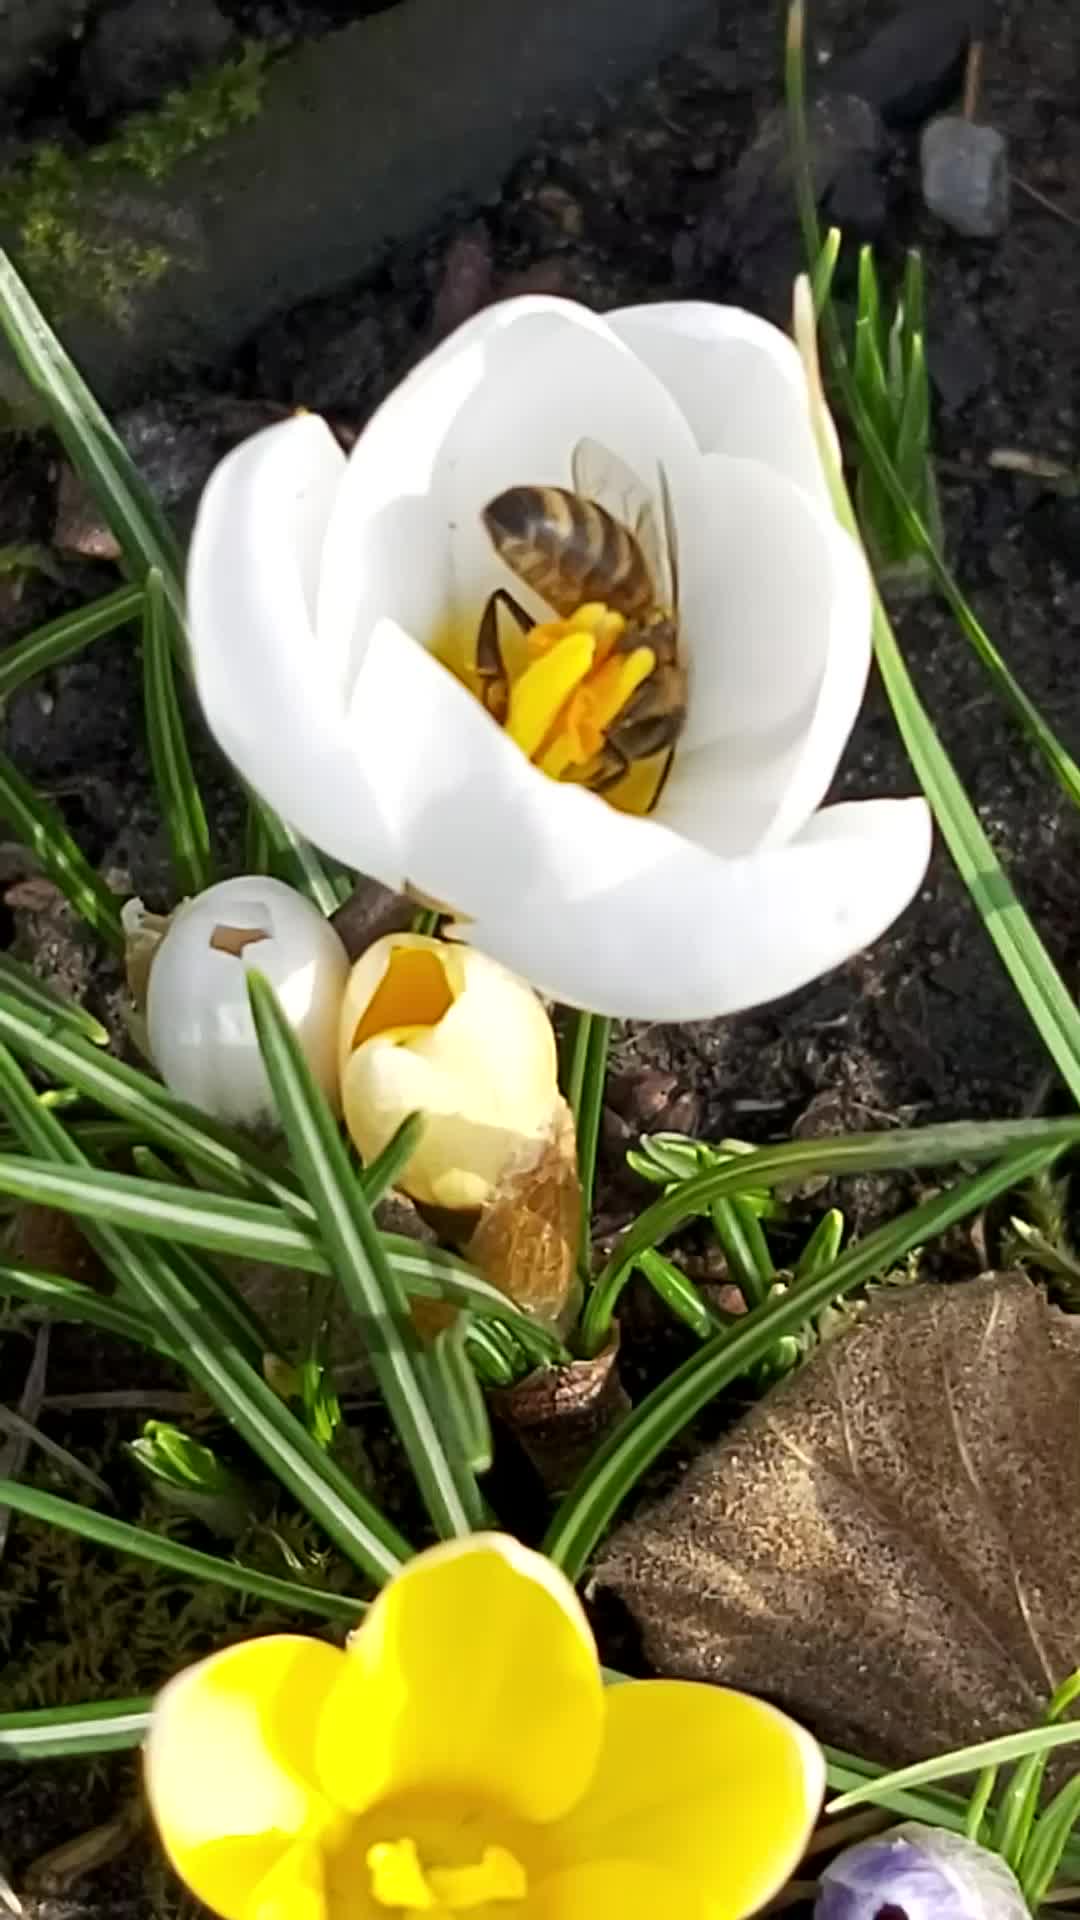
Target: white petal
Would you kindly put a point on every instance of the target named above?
(776, 622)
(273, 693)
(501, 403)
(688, 936)
(738, 380)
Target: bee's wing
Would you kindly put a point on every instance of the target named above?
(598, 474)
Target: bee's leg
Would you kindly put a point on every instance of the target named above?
(490, 665)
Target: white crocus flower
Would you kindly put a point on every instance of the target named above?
(199, 1021)
(321, 587)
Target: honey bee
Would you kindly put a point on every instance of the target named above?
(570, 548)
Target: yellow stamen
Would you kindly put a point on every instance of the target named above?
(398, 1880)
(544, 688)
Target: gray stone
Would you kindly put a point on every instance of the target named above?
(363, 136)
(965, 176)
(914, 63)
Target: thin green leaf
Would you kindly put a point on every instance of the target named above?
(912, 454)
(366, 1276)
(147, 1106)
(120, 1537)
(94, 449)
(981, 1795)
(294, 859)
(850, 1153)
(679, 1294)
(1019, 1803)
(582, 1074)
(62, 639)
(1048, 1842)
(467, 1416)
(494, 1365)
(151, 1282)
(746, 1249)
(620, 1460)
(63, 1015)
(951, 1766)
(68, 1733)
(245, 1229)
(824, 268)
(40, 826)
(64, 1299)
(388, 1166)
(256, 839)
(822, 1247)
(174, 777)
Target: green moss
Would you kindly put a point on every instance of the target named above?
(72, 234)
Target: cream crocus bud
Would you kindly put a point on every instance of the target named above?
(201, 1032)
(440, 1029)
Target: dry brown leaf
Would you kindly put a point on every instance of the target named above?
(526, 1240)
(889, 1544)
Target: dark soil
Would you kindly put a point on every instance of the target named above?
(633, 206)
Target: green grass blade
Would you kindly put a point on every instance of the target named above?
(582, 1074)
(950, 1766)
(64, 1299)
(151, 1283)
(769, 1166)
(63, 1015)
(62, 639)
(69, 1733)
(467, 1420)
(822, 1247)
(40, 826)
(388, 1166)
(679, 1294)
(244, 1229)
(366, 1276)
(1019, 1803)
(91, 444)
(144, 1104)
(620, 1461)
(120, 1537)
(1048, 1842)
(746, 1249)
(981, 1795)
(824, 268)
(174, 777)
(295, 860)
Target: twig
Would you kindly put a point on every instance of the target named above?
(973, 79)
(14, 1456)
(1044, 201)
(125, 1399)
(25, 1434)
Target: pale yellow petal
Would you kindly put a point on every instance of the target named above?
(229, 1764)
(613, 1890)
(473, 1674)
(294, 1889)
(702, 1782)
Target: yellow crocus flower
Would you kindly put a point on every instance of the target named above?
(462, 1756)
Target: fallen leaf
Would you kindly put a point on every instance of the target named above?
(888, 1545)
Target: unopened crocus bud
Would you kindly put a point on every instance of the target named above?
(201, 1032)
(434, 1028)
(916, 1872)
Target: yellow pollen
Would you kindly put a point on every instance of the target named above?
(595, 704)
(398, 1880)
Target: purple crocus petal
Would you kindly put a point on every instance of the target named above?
(919, 1873)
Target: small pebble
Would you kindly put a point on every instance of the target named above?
(965, 176)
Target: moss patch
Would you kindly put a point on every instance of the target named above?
(77, 238)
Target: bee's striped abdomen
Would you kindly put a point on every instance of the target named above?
(569, 550)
